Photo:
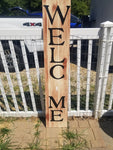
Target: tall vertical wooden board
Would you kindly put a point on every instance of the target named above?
(56, 33)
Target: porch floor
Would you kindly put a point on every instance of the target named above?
(98, 133)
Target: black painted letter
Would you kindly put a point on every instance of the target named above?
(56, 104)
(59, 36)
(59, 12)
(51, 72)
(52, 57)
(53, 115)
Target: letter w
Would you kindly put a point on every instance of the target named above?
(59, 12)
(54, 102)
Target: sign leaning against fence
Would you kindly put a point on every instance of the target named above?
(56, 32)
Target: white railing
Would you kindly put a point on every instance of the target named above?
(22, 86)
(81, 35)
(10, 36)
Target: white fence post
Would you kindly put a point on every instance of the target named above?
(104, 53)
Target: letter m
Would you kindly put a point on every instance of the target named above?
(59, 12)
(56, 104)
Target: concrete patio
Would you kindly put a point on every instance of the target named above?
(98, 133)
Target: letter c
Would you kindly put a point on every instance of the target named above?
(51, 72)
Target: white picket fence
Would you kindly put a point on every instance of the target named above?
(90, 88)
(22, 36)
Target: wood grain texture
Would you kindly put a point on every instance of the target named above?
(56, 58)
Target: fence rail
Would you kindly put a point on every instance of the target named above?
(84, 39)
(22, 72)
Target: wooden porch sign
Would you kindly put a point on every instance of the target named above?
(56, 32)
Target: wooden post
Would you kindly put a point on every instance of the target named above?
(56, 33)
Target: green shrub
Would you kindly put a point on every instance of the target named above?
(73, 141)
(35, 145)
(5, 142)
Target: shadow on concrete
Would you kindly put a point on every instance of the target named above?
(42, 119)
(106, 124)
